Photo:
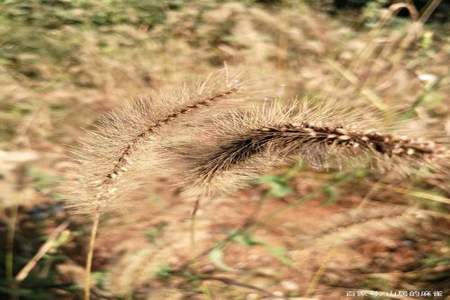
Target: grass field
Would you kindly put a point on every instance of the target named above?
(297, 232)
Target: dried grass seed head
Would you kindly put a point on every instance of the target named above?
(243, 144)
(119, 155)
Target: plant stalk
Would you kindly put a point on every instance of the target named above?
(90, 255)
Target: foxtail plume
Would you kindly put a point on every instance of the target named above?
(118, 155)
(249, 142)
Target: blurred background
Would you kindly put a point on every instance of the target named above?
(296, 233)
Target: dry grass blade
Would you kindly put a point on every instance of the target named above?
(343, 228)
(42, 251)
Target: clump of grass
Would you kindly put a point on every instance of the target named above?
(122, 152)
(111, 158)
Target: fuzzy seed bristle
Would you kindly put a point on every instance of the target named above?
(123, 158)
(250, 143)
(295, 137)
(113, 160)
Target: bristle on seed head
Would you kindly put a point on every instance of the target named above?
(118, 156)
(241, 145)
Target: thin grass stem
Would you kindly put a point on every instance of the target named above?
(90, 255)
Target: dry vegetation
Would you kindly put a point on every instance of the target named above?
(296, 231)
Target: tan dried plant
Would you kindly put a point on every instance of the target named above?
(118, 156)
(113, 157)
(222, 149)
(229, 150)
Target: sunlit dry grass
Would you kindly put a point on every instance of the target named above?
(270, 240)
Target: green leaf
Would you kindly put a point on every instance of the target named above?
(280, 254)
(247, 239)
(216, 257)
(331, 194)
(164, 272)
(278, 186)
